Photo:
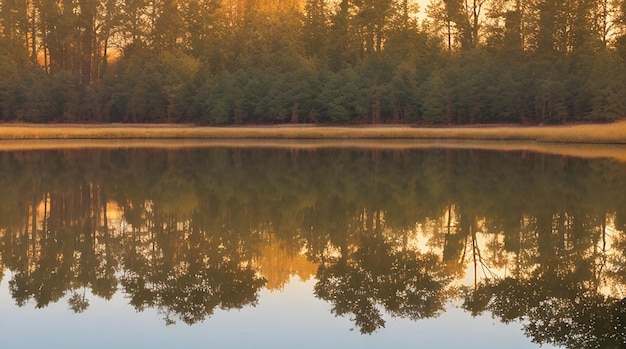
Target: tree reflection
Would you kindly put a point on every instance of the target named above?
(403, 284)
(558, 291)
(78, 302)
(189, 277)
(580, 320)
(370, 275)
(390, 233)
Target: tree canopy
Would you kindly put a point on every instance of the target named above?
(278, 61)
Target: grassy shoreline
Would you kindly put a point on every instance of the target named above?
(583, 134)
(588, 141)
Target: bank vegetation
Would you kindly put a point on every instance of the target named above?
(613, 133)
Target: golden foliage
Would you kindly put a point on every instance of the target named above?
(278, 264)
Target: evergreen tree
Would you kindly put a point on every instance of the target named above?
(315, 28)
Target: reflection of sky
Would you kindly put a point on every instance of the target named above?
(292, 319)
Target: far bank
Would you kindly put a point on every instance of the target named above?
(614, 133)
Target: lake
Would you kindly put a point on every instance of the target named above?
(320, 247)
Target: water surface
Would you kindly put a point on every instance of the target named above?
(337, 248)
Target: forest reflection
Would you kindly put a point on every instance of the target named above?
(520, 235)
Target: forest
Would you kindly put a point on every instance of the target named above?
(222, 62)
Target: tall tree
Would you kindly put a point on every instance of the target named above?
(462, 20)
(15, 23)
(168, 30)
(342, 50)
(202, 27)
(315, 28)
(372, 19)
(135, 24)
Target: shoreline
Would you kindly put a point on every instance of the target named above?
(586, 141)
(614, 133)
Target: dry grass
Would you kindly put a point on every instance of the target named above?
(600, 134)
(580, 140)
(588, 134)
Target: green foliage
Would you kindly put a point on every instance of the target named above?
(8, 72)
(607, 88)
(436, 107)
(365, 61)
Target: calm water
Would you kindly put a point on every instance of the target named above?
(269, 248)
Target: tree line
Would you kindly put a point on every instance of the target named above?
(316, 61)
